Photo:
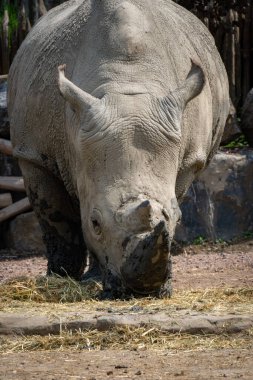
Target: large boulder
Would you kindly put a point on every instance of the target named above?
(24, 235)
(232, 129)
(8, 164)
(219, 204)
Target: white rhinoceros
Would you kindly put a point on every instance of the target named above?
(141, 113)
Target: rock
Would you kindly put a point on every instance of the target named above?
(247, 118)
(4, 120)
(219, 204)
(9, 166)
(232, 130)
(24, 234)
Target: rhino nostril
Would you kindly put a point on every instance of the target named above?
(165, 214)
(125, 242)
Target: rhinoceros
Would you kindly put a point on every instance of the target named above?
(115, 106)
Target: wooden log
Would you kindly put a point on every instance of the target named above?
(5, 200)
(15, 209)
(3, 76)
(12, 183)
(6, 147)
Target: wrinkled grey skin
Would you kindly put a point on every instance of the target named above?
(110, 143)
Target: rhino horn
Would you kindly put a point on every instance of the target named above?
(78, 98)
(146, 268)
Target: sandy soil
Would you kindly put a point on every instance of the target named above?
(196, 267)
(230, 364)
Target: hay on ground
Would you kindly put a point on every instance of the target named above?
(123, 338)
(56, 294)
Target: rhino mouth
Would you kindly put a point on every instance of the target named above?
(146, 267)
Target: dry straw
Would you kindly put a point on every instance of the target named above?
(125, 338)
(60, 294)
(56, 295)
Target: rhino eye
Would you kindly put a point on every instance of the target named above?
(96, 222)
(96, 226)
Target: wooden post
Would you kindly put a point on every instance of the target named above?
(246, 53)
(229, 53)
(5, 42)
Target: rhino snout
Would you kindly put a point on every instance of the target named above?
(146, 264)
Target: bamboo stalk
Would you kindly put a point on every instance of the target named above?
(15, 209)
(12, 183)
(6, 147)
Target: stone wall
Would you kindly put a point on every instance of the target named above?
(219, 204)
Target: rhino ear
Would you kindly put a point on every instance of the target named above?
(175, 103)
(192, 86)
(78, 98)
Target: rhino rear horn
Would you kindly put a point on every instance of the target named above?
(78, 98)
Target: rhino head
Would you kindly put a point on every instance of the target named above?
(127, 159)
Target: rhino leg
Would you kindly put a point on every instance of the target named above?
(59, 221)
(94, 272)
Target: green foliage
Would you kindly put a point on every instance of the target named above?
(239, 142)
(220, 241)
(13, 18)
(199, 240)
(248, 235)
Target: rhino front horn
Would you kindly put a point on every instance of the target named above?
(147, 267)
(78, 98)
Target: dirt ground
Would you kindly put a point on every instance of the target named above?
(196, 267)
(101, 365)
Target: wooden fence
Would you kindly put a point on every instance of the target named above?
(230, 22)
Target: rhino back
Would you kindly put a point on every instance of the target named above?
(110, 46)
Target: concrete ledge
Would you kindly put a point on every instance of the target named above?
(24, 324)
